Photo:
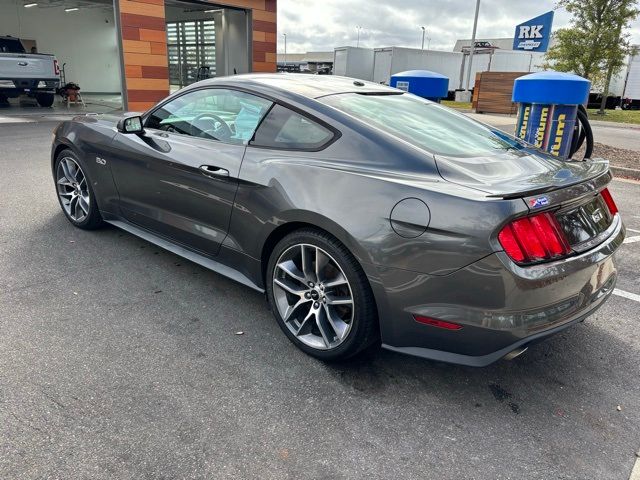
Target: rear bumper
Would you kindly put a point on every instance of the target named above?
(500, 306)
(26, 85)
(488, 359)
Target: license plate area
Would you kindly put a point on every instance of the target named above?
(585, 224)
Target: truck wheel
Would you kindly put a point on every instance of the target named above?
(45, 99)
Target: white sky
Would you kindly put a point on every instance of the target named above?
(321, 25)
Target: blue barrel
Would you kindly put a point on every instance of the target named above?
(426, 84)
(548, 109)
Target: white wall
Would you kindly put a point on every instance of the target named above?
(480, 63)
(86, 40)
(510, 61)
(234, 38)
(633, 79)
(382, 59)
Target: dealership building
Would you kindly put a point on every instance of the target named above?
(134, 52)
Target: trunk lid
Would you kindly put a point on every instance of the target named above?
(27, 66)
(570, 190)
(518, 173)
(585, 225)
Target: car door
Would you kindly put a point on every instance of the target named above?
(179, 178)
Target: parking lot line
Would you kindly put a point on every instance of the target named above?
(632, 239)
(633, 230)
(625, 294)
(635, 473)
(5, 119)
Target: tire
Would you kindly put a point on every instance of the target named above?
(80, 209)
(347, 328)
(45, 99)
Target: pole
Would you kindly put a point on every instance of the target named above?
(473, 44)
(358, 41)
(423, 32)
(285, 48)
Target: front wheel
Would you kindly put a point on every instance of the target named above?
(75, 193)
(320, 296)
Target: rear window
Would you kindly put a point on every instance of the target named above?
(285, 129)
(11, 45)
(425, 124)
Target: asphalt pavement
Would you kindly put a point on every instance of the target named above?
(119, 360)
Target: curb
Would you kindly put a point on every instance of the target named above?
(625, 172)
(604, 123)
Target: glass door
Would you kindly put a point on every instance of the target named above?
(191, 47)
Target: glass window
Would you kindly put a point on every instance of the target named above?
(215, 114)
(283, 128)
(424, 124)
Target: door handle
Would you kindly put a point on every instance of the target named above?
(211, 171)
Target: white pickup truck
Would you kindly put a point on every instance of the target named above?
(21, 73)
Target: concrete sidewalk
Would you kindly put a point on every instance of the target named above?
(619, 135)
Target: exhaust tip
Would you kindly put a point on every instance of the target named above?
(515, 353)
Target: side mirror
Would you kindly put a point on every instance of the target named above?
(131, 125)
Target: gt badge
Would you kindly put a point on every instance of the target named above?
(538, 202)
(597, 215)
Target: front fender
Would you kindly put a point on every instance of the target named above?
(90, 142)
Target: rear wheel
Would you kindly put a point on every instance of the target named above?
(75, 194)
(320, 296)
(45, 99)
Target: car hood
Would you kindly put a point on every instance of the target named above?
(517, 172)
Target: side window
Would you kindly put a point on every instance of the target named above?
(284, 128)
(215, 114)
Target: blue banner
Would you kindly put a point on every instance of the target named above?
(548, 127)
(534, 35)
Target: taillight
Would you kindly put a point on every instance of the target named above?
(56, 67)
(608, 199)
(534, 239)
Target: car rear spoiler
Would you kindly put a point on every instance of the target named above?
(555, 194)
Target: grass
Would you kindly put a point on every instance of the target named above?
(622, 116)
(458, 105)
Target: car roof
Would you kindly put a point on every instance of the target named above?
(311, 86)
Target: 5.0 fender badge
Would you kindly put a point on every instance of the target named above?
(538, 202)
(101, 161)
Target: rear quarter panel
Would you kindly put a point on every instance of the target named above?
(348, 192)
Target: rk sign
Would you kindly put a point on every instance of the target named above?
(534, 34)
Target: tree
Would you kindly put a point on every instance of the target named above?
(596, 44)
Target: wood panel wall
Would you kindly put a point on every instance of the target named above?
(493, 91)
(144, 46)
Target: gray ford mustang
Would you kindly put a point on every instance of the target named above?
(368, 215)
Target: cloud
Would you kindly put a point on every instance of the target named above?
(313, 25)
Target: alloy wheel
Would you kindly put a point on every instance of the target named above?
(73, 189)
(313, 296)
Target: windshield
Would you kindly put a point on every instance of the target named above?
(425, 124)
